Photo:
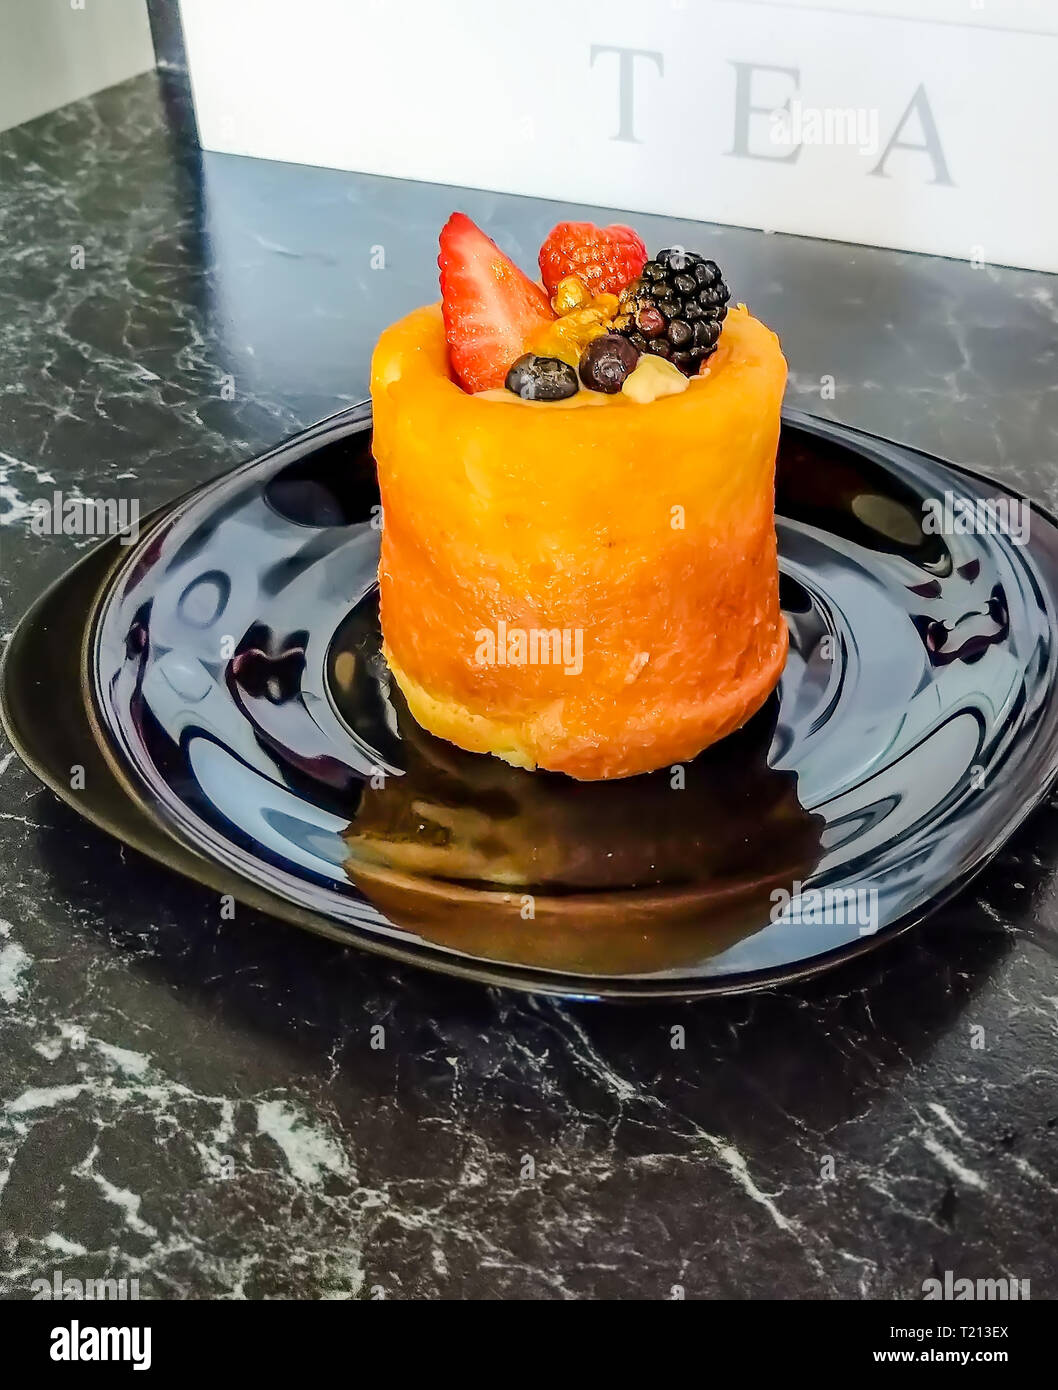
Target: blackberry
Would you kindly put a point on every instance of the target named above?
(675, 308)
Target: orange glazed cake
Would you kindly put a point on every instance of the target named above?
(591, 591)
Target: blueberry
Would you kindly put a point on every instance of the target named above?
(659, 347)
(606, 361)
(685, 284)
(542, 378)
(680, 333)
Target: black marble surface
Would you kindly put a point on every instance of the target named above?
(196, 1103)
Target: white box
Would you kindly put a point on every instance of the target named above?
(927, 125)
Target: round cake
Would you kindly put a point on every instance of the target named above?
(592, 591)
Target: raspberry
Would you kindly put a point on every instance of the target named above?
(605, 259)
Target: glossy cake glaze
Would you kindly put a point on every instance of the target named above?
(646, 529)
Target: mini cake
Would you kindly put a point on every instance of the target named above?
(588, 591)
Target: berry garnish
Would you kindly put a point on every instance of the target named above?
(606, 361)
(604, 259)
(490, 307)
(542, 378)
(675, 308)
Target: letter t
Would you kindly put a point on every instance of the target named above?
(625, 83)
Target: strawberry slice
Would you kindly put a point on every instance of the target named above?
(490, 307)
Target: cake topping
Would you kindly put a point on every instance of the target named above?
(606, 362)
(570, 293)
(570, 334)
(604, 259)
(490, 307)
(542, 378)
(653, 377)
(605, 304)
(675, 308)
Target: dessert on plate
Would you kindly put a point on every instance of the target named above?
(578, 569)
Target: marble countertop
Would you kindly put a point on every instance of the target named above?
(196, 1103)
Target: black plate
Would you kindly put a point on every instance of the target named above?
(242, 701)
